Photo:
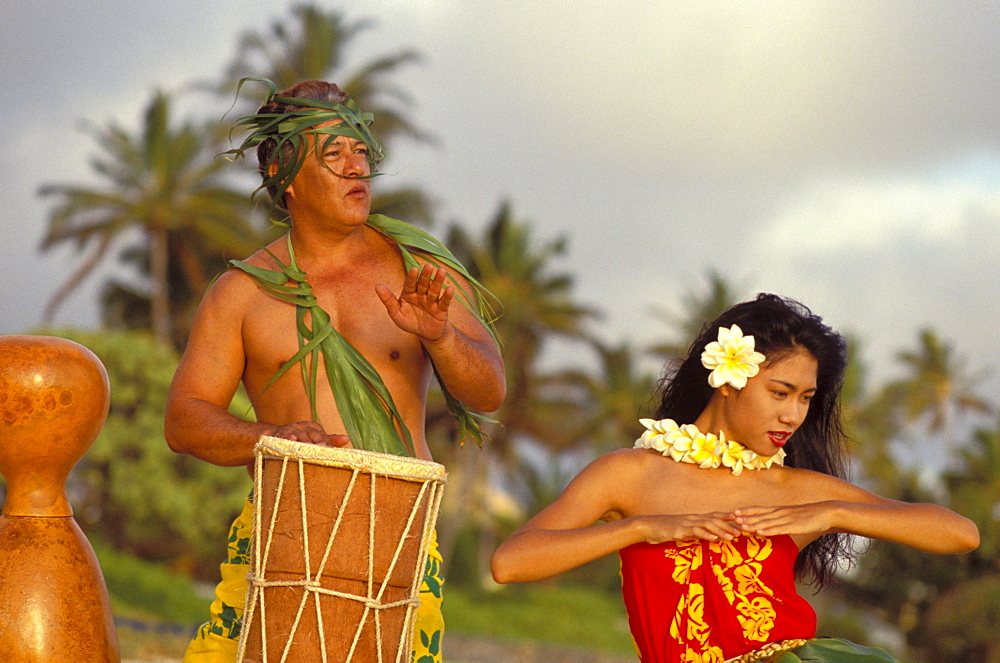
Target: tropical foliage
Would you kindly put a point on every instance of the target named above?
(135, 493)
(696, 309)
(163, 185)
(164, 205)
(537, 306)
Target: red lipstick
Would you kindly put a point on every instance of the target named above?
(778, 438)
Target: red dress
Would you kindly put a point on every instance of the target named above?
(706, 602)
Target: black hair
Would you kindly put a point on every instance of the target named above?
(780, 327)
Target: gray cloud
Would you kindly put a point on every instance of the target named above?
(845, 153)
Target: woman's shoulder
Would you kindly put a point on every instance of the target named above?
(630, 469)
(629, 459)
(614, 480)
(821, 486)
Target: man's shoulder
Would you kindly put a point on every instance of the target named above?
(265, 257)
(231, 287)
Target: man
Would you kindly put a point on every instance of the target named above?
(316, 158)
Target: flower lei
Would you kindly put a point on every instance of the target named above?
(731, 359)
(687, 444)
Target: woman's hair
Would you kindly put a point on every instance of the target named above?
(780, 327)
(318, 90)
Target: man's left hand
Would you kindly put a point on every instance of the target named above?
(422, 306)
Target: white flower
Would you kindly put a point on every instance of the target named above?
(776, 459)
(731, 359)
(658, 435)
(736, 456)
(687, 444)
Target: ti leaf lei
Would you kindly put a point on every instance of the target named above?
(365, 405)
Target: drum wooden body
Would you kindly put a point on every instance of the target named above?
(339, 549)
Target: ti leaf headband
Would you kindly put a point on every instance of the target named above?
(294, 128)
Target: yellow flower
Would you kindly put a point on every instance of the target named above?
(725, 584)
(776, 459)
(697, 629)
(735, 456)
(729, 553)
(759, 547)
(681, 441)
(704, 449)
(687, 444)
(731, 359)
(713, 655)
(685, 563)
(757, 618)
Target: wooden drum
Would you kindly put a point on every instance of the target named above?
(339, 549)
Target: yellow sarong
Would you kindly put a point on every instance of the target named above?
(217, 639)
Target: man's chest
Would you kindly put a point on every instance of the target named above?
(271, 333)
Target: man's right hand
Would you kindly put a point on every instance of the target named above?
(311, 432)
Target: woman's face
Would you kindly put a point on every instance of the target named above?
(774, 403)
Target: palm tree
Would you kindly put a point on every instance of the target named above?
(163, 182)
(946, 605)
(615, 398)
(975, 493)
(869, 429)
(536, 306)
(311, 46)
(937, 387)
(698, 309)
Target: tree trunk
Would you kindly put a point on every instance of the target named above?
(159, 297)
(463, 482)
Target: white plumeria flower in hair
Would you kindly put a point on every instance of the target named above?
(731, 359)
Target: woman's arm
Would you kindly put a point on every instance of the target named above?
(564, 534)
(853, 510)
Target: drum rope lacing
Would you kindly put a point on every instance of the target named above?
(374, 464)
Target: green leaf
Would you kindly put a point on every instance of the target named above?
(787, 657)
(836, 650)
(366, 407)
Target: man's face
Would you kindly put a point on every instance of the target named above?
(332, 184)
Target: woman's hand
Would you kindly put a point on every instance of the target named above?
(809, 520)
(928, 527)
(708, 526)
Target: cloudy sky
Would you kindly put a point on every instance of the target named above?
(843, 153)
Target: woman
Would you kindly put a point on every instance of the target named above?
(733, 492)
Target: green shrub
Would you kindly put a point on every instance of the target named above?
(145, 590)
(567, 615)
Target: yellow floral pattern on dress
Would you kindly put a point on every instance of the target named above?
(687, 558)
(736, 567)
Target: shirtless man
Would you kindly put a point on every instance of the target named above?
(243, 333)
